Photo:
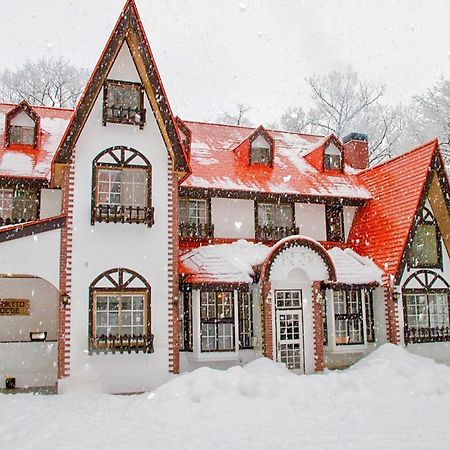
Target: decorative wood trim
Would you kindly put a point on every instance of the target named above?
(338, 210)
(31, 228)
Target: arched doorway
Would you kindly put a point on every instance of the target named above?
(291, 307)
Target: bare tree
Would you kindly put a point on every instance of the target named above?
(237, 118)
(46, 82)
(295, 119)
(429, 117)
(344, 103)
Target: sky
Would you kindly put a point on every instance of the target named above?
(213, 54)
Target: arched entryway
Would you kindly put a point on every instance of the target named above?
(291, 277)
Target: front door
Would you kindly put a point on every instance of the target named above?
(289, 323)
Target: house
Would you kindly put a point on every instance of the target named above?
(136, 245)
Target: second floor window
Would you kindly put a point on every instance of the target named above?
(275, 221)
(17, 205)
(22, 135)
(122, 187)
(194, 219)
(123, 103)
(335, 223)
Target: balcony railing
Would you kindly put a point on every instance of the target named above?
(433, 334)
(121, 344)
(124, 214)
(196, 231)
(274, 233)
(8, 221)
(119, 114)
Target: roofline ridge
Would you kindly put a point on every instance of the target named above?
(402, 155)
(203, 122)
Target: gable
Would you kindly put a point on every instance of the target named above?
(128, 29)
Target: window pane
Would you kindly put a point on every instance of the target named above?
(22, 135)
(123, 102)
(6, 203)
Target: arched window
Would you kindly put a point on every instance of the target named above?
(426, 307)
(120, 313)
(121, 187)
(425, 248)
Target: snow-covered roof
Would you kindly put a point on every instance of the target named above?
(216, 165)
(33, 163)
(235, 262)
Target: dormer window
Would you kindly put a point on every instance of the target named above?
(22, 135)
(260, 152)
(123, 102)
(332, 158)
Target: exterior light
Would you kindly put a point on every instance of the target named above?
(65, 299)
(38, 336)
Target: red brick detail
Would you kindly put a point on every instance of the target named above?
(316, 300)
(267, 331)
(356, 154)
(391, 311)
(173, 288)
(65, 283)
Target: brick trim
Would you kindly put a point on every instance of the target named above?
(391, 311)
(173, 287)
(316, 299)
(267, 322)
(65, 284)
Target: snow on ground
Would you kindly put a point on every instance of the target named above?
(389, 400)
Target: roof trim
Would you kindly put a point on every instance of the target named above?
(128, 28)
(30, 228)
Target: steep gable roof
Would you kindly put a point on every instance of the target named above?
(128, 29)
(381, 228)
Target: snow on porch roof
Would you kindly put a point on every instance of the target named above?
(26, 163)
(235, 262)
(215, 165)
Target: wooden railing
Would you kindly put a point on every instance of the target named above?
(196, 231)
(433, 334)
(8, 221)
(124, 343)
(273, 233)
(126, 115)
(124, 214)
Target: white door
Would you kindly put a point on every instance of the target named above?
(289, 324)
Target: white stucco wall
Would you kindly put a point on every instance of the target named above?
(36, 255)
(50, 203)
(107, 245)
(310, 218)
(349, 214)
(233, 218)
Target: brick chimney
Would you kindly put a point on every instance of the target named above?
(356, 150)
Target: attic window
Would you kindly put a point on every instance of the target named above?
(332, 158)
(123, 103)
(22, 135)
(260, 152)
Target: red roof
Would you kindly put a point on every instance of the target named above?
(216, 165)
(27, 162)
(382, 226)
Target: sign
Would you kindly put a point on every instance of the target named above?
(14, 307)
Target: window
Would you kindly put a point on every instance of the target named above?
(332, 158)
(186, 320)
(348, 317)
(194, 218)
(120, 312)
(370, 320)
(22, 135)
(217, 321)
(335, 223)
(123, 103)
(426, 308)
(17, 205)
(425, 249)
(121, 187)
(275, 221)
(260, 151)
(245, 320)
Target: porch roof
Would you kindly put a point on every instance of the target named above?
(237, 262)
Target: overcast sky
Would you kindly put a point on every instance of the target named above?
(213, 54)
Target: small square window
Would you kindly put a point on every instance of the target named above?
(123, 103)
(22, 135)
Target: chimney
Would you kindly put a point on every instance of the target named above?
(356, 150)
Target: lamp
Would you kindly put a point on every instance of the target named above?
(65, 299)
(38, 336)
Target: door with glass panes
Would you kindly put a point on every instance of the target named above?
(289, 327)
